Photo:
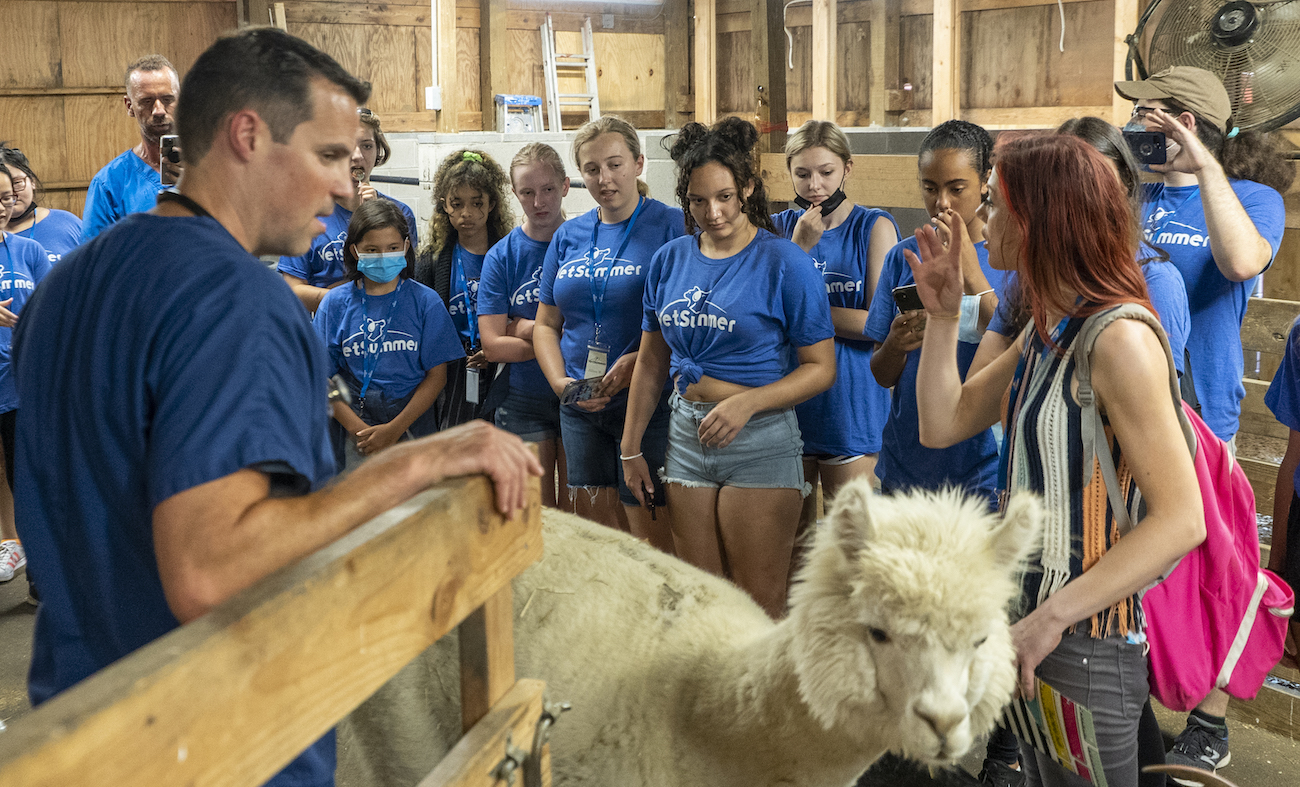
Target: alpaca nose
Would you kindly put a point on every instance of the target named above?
(942, 721)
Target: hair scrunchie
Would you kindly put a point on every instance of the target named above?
(470, 155)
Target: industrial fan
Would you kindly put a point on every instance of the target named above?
(1254, 48)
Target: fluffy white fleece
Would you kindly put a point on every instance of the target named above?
(897, 639)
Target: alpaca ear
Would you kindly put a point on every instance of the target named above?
(1018, 535)
(850, 520)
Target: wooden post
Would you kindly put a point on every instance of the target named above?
(1126, 17)
(448, 123)
(492, 58)
(256, 13)
(767, 42)
(677, 63)
(945, 81)
(278, 18)
(706, 61)
(824, 88)
(884, 56)
(487, 657)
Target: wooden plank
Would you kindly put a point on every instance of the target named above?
(735, 82)
(1263, 479)
(677, 62)
(767, 43)
(31, 59)
(916, 68)
(467, 75)
(110, 90)
(493, 73)
(629, 71)
(36, 126)
(879, 181)
(1126, 18)
(1028, 117)
(487, 657)
(1267, 323)
(572, 21)
(884, 56)
(292, 655)
(853, 86)
(473, 759)
(448, 122)
(348, 14)
(924, 7)
(96, 129)
(706, 63)
(1256, 418)
(824, 61)
(1282, 279)
(944, 81)
(1276, 708)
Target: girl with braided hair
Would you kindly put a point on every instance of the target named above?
(740, 321)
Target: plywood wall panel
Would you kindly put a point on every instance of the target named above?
(798, 84)
(467, 47)
(31, 56)
(630, 68)
(853, 79)
(35, 125)
(101, 39)
(191, 28)
(393, 69)
(525, 63)
(736, 91)
(916, 57)
(97, 130)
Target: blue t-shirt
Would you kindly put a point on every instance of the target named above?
(567, 282)
(124, 186)
(511, 285)
(59, 233)
(847, 419)
(322, 265)
(146, 370)
(1175, 221)
(1283, 396)
(737, 319)
(904, 463)
(22, 267)
(464, 301)
(409, 329)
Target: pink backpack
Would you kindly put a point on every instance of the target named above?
(1217, 620)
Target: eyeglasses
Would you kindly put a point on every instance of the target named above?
(1141, 112)
(20, 184)
(8, 200)
(365, 112)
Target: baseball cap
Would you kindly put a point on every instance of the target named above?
(1194, 88)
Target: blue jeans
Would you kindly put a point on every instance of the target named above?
(766, 454)
(531, 417)
(591, 447)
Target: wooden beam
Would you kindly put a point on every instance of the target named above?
(487, 657)
(1126, 17)
(492, 71)
(945, 80)
(279, 16)
(473, 759)
(884, 57)
(926, 7)
(880, 181)
(233, 696)
(344, 14)
(1276, 708)
(767, 42)
(257, 12)
(1266, 324)
(448, 122)
(706, 62)
(998, 118)
(677, 63)
(824, 89)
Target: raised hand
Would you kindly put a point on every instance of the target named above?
(1190, 156)
(938, 271)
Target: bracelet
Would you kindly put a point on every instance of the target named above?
(954, 317)
(630, 458)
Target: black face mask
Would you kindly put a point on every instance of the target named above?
(828, 205)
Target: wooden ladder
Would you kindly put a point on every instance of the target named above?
(553, 62)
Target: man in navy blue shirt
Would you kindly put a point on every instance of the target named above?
(130, 183)
(174, 433)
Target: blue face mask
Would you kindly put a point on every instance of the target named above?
(1134, 125)
(381, 268)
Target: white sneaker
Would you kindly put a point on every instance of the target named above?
(12, 558)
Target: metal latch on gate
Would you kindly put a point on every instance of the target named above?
(531, 762)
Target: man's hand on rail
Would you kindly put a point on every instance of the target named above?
(479, 447)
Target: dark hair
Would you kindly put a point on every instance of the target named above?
(1249, 155)
(371, 121)
(15, 158)
(259, 68)
(731, 143)
(962, 135)
(149, 63)
(481, 172)
(1079, 231)
(376, 214)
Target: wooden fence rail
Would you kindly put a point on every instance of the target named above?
(232, 697)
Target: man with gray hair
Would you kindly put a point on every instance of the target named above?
(130, 183)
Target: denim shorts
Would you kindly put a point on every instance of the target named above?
(767, 454)
(533, 418)
(591, 447)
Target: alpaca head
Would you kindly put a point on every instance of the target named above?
(900, 617)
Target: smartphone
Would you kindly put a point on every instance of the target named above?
(579, 390)
(907, 298)
(1147, 146)
(828, 205)
(169, 159)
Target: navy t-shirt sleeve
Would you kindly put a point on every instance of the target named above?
(1283, 396)
(231, 394)
(412, 226)
(803, 299)
(325, 325)
(880, 315)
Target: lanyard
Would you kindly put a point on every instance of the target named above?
(370, 361)
(598, 298)
(1017, 382)
(13, 274)
(171, 195)
(471, 306)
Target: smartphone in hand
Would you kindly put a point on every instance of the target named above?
(907, 298)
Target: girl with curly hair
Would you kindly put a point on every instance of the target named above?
(740, 320)
(470, 215)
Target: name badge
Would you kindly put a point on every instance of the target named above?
(597, 360)
(471, 386)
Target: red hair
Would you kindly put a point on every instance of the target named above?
(1080, 234)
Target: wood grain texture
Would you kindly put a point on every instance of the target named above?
(468, 96)
(448, 78)
(487, 657)
(291, 655)
(96, 129)
(945, 84)
(677, 62)
(32, 57)
(915, 59)
(1256, 418)
(629, 71)
(1282, 279)
(514, 718)
(1267, 323)
(493, 72)
(708, 92)
(853, 42)
(357, 14)
(769, 69)
(37, 127)
(734, 76)
(825, 66)
(882, 181)
(1263, 479)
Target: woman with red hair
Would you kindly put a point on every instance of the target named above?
(1059, 217)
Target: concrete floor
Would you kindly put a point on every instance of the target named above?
(1259, 759)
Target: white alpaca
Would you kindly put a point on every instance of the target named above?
(897, 639)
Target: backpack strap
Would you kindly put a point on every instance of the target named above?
(1092, 431)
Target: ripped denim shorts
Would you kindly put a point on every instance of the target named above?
(767, 454)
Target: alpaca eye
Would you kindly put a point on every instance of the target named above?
(878, 635)
(980, 644)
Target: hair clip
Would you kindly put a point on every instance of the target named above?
(1235, 130)
(470, 155)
